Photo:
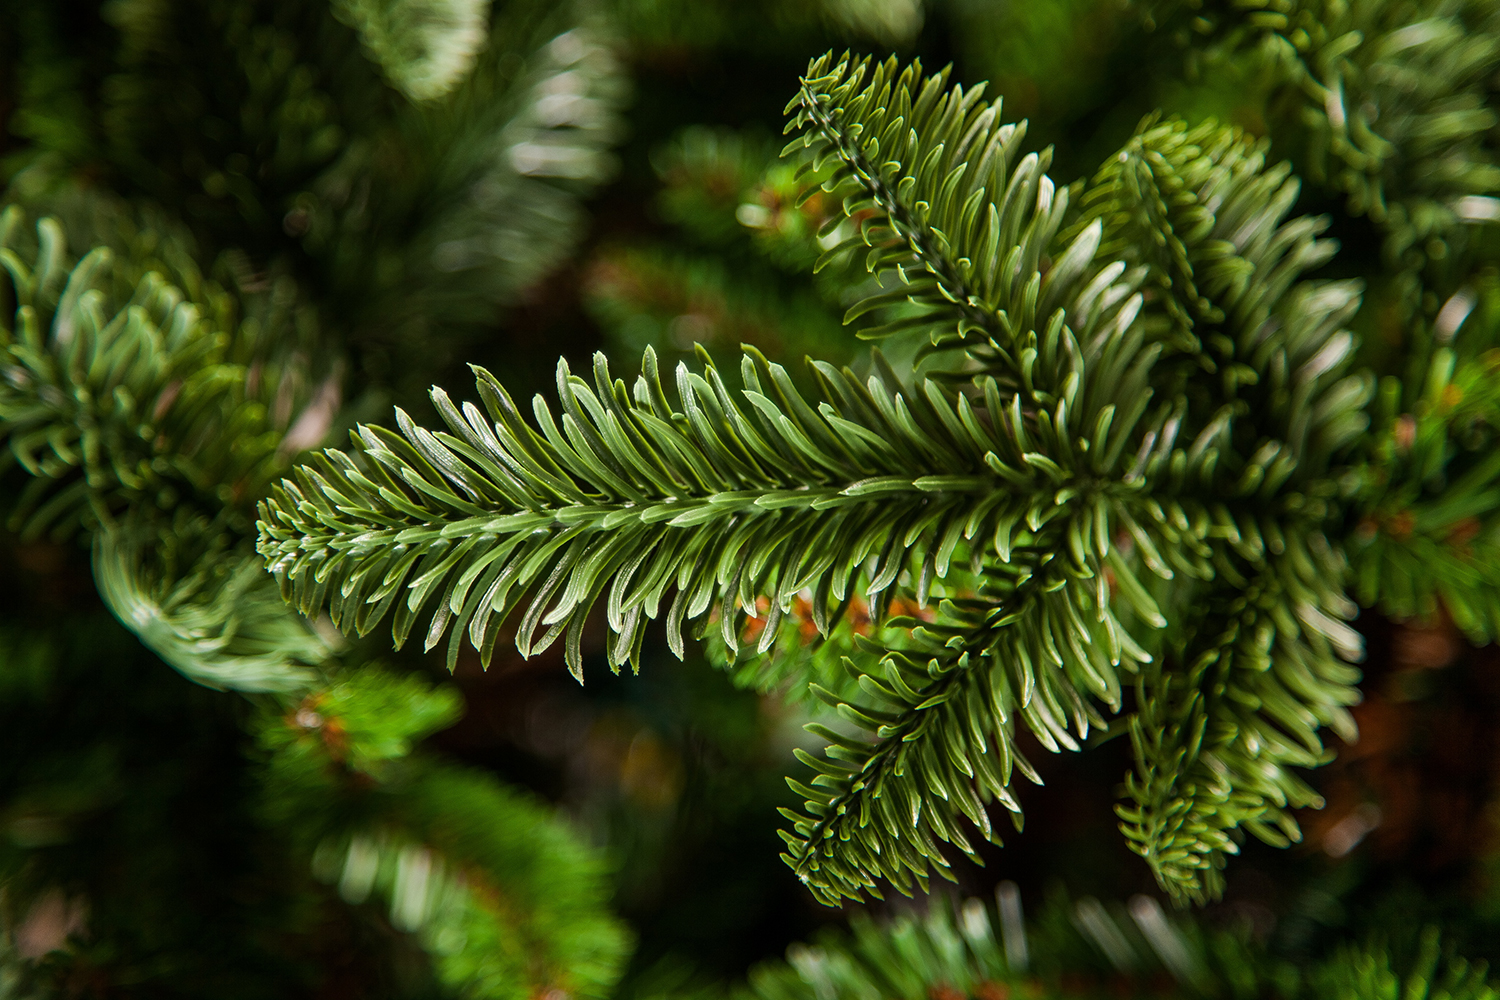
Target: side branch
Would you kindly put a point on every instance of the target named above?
(627, 500)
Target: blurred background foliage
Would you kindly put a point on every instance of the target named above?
(523, 180)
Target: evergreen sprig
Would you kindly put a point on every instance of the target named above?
(1201, 211)
(1104, 444)
(1251, 366)
(723, 501)
(939, 709)
(1216, 738)
(956, 233)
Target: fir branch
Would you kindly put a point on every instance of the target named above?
(1267, 360)
(1215, 736)
(1042, 646)
(1206, 217)
(1157, 198)
(954, 230)
(1273, 376)
(723, 502)
(1046, 471)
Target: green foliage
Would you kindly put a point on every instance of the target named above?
(208, 612)
(1215, 741)
(292, 91)
(126, 403)
(157, 439)
(498, 891)
(1192, 195)
(51, 111)
(1084, 950)
(1056, 474)
(479, 188)
(1366, 974)
(1113, 472)
(425, 46)
(720, 502)
(934, 171)
(1429, 518)
(1206, 766)
(1395, 101)
(160, 364)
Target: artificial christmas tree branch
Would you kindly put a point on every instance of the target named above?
(1135, 451)
(1082, 461)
